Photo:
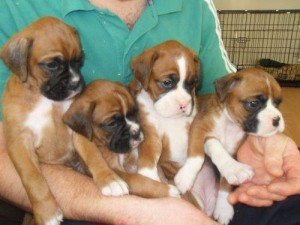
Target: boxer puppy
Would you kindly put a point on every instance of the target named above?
(107, 134)
(165, 79)
(45, 59)
(245, 103)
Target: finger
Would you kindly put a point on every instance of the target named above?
(286, 188)
(262, 193)
(234, 196)
(249, 200)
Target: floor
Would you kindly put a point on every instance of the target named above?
(290, 109)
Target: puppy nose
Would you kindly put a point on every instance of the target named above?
(183, 105)
(276, 121)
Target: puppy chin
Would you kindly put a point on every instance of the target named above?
(268, 130)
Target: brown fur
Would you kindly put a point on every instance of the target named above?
(155, 64)
(22, 54)
(91, 141)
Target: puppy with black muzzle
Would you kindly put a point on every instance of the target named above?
(245, 103)
(45, 59)
(165, 80)
(107, 134)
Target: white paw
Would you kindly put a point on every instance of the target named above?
(237, 173)
(224, 211)
(173, 191)
(150, 173)
(115, 188)
(56, 219)
(184, 180)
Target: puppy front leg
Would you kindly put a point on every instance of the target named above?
(44, 206)
(224, 211)
(148, 188)
(234, 171)
(105, 178)
(187, 174)
(149, 153)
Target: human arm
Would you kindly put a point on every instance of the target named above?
(80, 199)
(267, 188)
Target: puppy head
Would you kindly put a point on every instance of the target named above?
(251, 98)
(106, 114)
(170, 74)
(47, 55)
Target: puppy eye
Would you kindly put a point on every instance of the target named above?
(52, 65)
(252, 105)
(113, 122)
(168, 84)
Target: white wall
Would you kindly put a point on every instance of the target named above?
(256, 4)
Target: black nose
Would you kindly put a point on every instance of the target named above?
(276, 121)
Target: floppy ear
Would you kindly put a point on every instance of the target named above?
(79, 117)
(225, 84)
(15, 54)
(141, 67)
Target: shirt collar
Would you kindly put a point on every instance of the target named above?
(69, 6)
(167, 6)
(161, 6)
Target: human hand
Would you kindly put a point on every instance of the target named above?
(272, 159)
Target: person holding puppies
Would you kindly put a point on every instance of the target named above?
(112, 32)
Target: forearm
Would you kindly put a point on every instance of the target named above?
(80, 199)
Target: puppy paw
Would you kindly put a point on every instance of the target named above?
(237, 173)
(47, 212)
(150, 173)
(184, 180)
(56, 219)
(173, 191)
(115, 188)
(223, 212)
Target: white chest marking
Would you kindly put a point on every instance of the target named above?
(174, 128)
(227, 132)
(41, 117)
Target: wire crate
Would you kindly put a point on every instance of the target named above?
(266, 39)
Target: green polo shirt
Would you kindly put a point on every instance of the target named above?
(109, 45)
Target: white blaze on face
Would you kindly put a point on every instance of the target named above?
(134, 127)
(267, 125)
(177, 102)
(266, 119)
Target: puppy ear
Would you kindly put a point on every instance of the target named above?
(15, 54)
(141, 67)
(79, 117)
(225, 84)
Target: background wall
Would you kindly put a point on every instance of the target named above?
(256, 4)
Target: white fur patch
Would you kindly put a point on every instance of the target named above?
(234, 171)
(177, 102)
(186, 176)
(41, 117)
(174, 128)
(150, 173)
(224, 211)
(56, 219)
(265, 117)
(173, 191)
(115, 188)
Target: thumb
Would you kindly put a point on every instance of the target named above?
(274, 149)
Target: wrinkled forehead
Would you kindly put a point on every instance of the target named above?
(259, 84)
(176, 60)
(114, 102)
(55, 38)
